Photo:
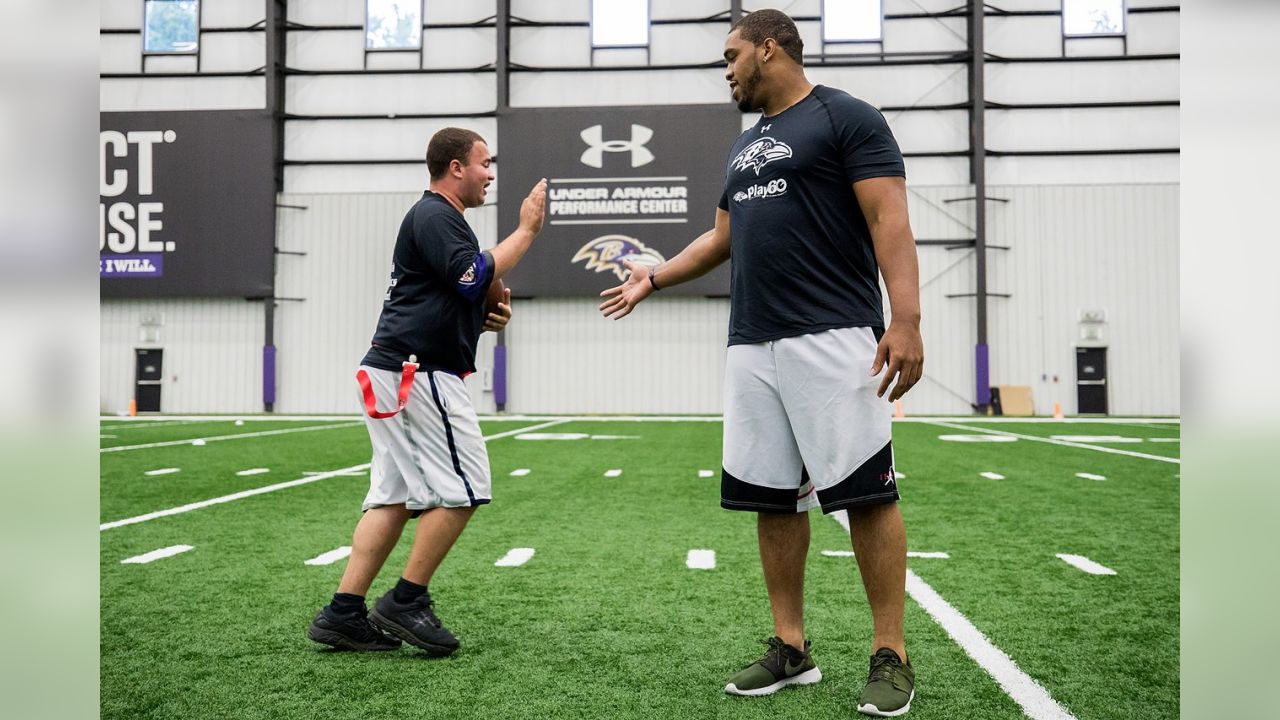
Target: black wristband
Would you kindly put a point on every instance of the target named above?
(652, 282)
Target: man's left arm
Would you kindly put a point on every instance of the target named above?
(884, 204)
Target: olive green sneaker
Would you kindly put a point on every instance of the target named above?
(782, 665)
(891, 685)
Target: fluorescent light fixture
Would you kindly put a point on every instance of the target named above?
(619, 23)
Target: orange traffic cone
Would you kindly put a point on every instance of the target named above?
(1057, 411)
(898, 412)
(133, 407)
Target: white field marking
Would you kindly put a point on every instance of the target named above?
(172, 419)
(161, 471)
(145, 422)
(1091, 476)
(330, 557)
(978, 438)
(237, 436)
(552, 436)
(145, 558)
(1101, 439)
(612, 473)
(515, 557)
(353, 473)
(238, 423)
(253, 471)
(1164, 440)
(1081, 562)
(992, 475)
(107, 437)
(706, 473)
(898, 476)
(615, 437)
(910, 554)
(519, 472)
(701, 560)
(1035, 701)
(1064, 443)
(259, 491)
(198, 442)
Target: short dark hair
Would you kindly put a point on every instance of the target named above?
(763, 24)
(448, 145)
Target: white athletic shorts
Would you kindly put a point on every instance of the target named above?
(803, 426)
(432, 453)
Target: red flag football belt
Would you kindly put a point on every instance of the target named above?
(406, 384)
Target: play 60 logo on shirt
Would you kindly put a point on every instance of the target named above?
(773, 188)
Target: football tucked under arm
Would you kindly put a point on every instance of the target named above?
(494, 296)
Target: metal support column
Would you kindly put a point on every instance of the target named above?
(274, 31)
(502, 67)
(978, 176)
(735, 11)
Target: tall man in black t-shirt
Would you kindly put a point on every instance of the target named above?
(429, 458)
(814, 210)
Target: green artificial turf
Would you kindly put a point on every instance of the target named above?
(606, 621)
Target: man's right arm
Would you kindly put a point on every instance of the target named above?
(532, 211)
(700, 257)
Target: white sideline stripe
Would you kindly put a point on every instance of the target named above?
(992, 475)
(910, 554)
(701, 560)
(519, 472)
(515, 557)
(1164, 440)
(145, 558)
(330, 557)
(173, 419)
(706, 473)
(612, 473)
(1064, 443)
(1081, 562)
(1091, 476)
(259, 491)
(107, 437)
(253, 471)
(161, 471)
(322, 472)
(1034, 700)
(1121, 439)
(238, 436)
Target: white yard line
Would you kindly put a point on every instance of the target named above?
(701, 560)
(1090, 476)
(145, 558)
(706, 473)
(237, 436)
(330, 557)
(991, 475)
(612, 473)
(1064, 443)
(253, 471)
(910, 554)
(515, 557)
(1034, 700)
(259, 491)
(1164, 440)
(161, 471)
(519, 472)
(1081, 562)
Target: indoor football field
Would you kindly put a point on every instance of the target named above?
(604, 581)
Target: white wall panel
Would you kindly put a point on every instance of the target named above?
(355, 178)
(568, 89)
(400, 94)
(375, 139)
(231, 13)
(120, 53)
(897, 85)
(120, 13)
(1083, 169)
(1082, 81)
(161, 93)
(1082, 129)
(1153, 33)
(229, 52)
(212, 354)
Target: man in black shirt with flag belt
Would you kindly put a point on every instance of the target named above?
(429, 458)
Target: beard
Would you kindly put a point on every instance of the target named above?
(748, 87)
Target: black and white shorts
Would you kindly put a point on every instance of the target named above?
(432, 453)
(803, 426)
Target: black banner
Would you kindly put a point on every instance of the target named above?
(624, 182)
(187, 204)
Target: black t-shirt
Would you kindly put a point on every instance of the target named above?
(802, 258)
(434, 307)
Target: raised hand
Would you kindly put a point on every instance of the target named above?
(533, 209)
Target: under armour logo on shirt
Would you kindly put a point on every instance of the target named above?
(598, 146)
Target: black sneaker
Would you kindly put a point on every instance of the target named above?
(415, 623)
(348, 632)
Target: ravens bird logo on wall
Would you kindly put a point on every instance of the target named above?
(607, 252)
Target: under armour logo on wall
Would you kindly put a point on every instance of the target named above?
(597, 146)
